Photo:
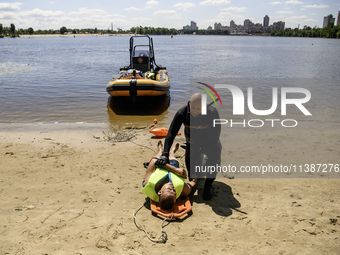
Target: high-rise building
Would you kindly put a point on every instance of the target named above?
(192, 26)
(217, 26)
(280, 25)
(248, 25)
(266, 21)
(338, 22)
(327, 20)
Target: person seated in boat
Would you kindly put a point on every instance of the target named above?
(151, 76)
(166, 184)
(133, 74)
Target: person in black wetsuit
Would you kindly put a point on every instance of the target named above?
(201, 138)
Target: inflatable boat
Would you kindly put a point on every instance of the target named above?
(143, 77)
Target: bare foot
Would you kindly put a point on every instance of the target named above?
(160, 146)
(175, 148)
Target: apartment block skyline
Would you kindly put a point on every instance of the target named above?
(249, 26)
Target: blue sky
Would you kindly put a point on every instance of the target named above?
(53, 14)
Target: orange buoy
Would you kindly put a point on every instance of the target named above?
(155, 121)
(161, 131)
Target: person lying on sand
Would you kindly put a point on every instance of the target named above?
(166, 184)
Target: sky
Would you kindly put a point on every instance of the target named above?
(53, 14)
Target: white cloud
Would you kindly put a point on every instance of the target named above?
(47, 19)
(184, 6)
(92, 18)
(315, 6)
(42, 13)
(8, 16)
(215, 2)
(293, 2)
(94, 14)
(274, 3)
(151, 3)
(132, 8)
(284, 12)
(300, 19)
(228, 16)
(141, 21)
(89, 12)
(168, 14)
(235, 9)
(10, 6)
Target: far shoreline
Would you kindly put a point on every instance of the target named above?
(132, 34)
(71, 35)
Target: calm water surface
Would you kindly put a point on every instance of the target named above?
(63, 79)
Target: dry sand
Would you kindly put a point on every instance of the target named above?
(71, 192)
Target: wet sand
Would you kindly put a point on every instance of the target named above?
(72, 192)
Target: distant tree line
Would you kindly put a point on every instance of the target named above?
(13, 32)
(153, 30)
(8, 31)
(330, 31)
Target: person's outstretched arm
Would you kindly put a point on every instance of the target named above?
(176, 170)
(188, 187)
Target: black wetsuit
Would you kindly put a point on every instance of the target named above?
(201, 137)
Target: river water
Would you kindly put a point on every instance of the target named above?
(63, 79)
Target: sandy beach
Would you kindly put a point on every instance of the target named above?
(73, 192)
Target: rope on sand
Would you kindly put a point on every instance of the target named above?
(125, 135)
(163, 237)
(116, 135)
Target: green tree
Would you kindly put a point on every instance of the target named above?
(63, 30)
(133, 29)
(12, 29)
(30, 30)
